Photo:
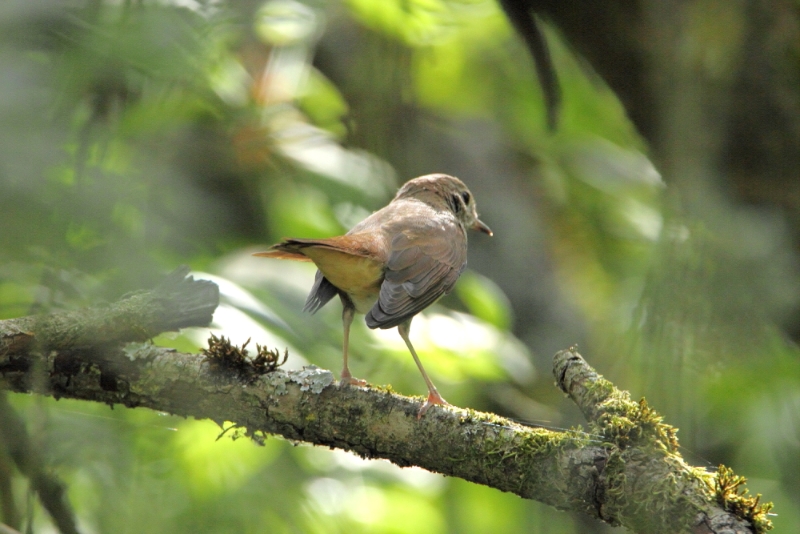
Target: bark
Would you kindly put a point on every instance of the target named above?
(633, 476)
(177, 302)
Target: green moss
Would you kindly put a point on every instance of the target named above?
(635, 432)
(600, 390)
(732, 496)
(474, 416)
(387, 388)
(516, 453)
(626, 423)
(614, 501)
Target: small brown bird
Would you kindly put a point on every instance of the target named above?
(394, 263)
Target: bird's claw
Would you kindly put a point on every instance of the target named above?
(433, 399)
(349, 380)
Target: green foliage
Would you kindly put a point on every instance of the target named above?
(484, 299)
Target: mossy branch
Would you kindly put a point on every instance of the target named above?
(644, 482)
(177, 302)
(626, 472)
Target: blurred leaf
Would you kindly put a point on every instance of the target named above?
(413, 21)
(214, 467)
(301, 211)
(484, 299)
(324, 104)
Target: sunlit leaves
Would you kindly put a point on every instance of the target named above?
(413, 21)
(324, 104)
(213, 467)
(286, 22)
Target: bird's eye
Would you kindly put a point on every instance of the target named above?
(465, 196)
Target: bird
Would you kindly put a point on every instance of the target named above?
(393, 264)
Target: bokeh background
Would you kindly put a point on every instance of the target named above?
(136, 136)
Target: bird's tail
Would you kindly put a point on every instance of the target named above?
(288, 249)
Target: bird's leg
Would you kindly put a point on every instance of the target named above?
(348, 312)
(433, 395)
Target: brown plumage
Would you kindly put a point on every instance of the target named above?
(395, 263)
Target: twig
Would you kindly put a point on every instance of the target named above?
(15, 440)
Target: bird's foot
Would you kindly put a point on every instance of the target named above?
(433, 398)
(349, 380)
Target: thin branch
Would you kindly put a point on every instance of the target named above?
(8, 506)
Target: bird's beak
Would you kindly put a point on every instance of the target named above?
(481, 227)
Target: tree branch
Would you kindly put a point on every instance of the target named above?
(177, 302)
(629, 473)
(644, 483)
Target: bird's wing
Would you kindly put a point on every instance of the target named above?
(424, 264)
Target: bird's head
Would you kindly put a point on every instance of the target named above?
(448, 191)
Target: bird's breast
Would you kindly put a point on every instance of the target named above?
(364, 301)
